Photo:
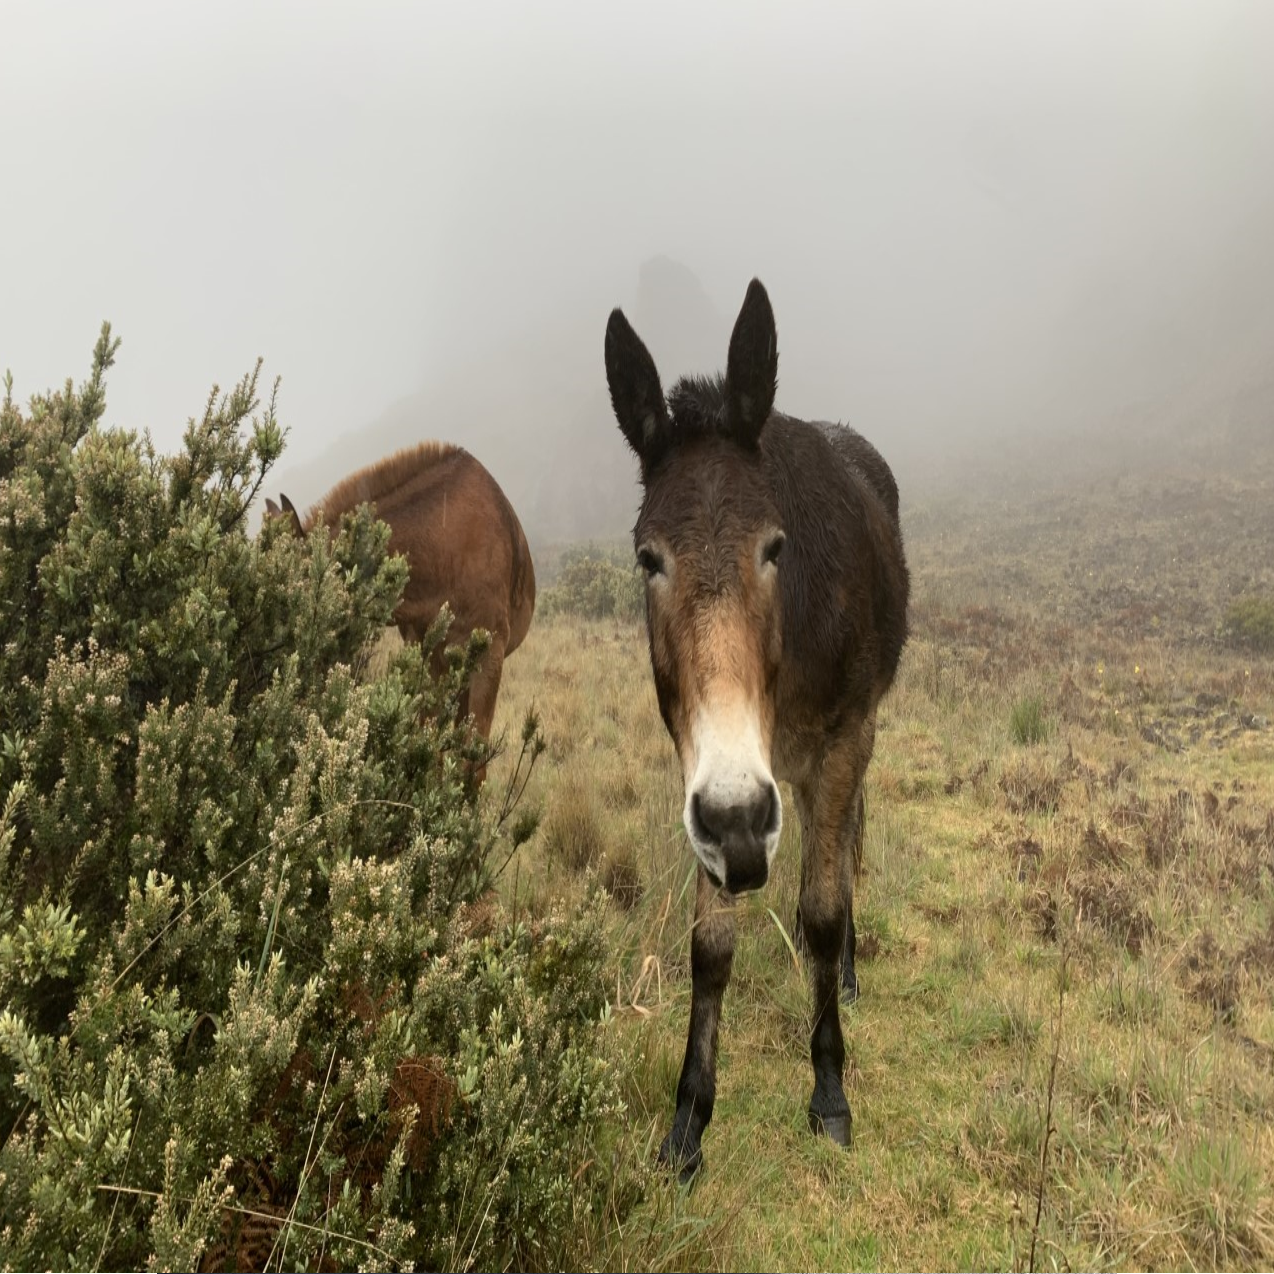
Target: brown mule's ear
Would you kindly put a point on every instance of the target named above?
(635, 392)
(752, 370)
(289, 509)
(272, 509)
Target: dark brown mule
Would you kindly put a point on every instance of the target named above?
(464, 546)
(776, 607)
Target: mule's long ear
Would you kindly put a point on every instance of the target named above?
(272, 509)
(752, 370)
(289, 509)
(635, 392)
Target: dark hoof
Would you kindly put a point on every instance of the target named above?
(840, 1128)
(686, 1165)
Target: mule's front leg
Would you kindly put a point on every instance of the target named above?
(711, 957)
(824, 923)
(851, 854)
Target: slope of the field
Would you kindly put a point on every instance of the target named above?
(1067, 906)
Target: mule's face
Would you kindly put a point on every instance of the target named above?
(710, 542)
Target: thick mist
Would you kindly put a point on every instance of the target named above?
(977, 222)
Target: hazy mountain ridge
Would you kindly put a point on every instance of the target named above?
(537, 413)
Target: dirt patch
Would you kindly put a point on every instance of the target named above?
(1033, 785)
(1112, 901)
(1213, 978)
(973, 778)
(1209, 720)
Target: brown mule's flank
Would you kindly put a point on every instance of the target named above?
(464, 547)
(777, 613)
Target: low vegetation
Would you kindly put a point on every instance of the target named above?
(1249, 624)
(595, 583)
(262, 1009)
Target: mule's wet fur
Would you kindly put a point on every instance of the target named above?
(464, 546)
(777, 592)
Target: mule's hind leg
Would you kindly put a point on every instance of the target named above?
(826, 881)
(484, 687)
(855, 833)
(853, 853)
(711, 958)
(480, 697)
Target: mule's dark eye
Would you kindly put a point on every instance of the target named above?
(650, 562)
(773, 547)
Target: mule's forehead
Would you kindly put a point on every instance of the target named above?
(709, 499)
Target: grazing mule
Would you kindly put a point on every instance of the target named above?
(776, 611)
(464, 546)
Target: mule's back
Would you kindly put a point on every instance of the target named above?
(463, 542)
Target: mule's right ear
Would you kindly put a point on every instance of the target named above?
(635, 392)
(272, 509)
(290, 510)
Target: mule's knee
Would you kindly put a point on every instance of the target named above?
(822, 927)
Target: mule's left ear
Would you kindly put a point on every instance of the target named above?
(272, 509)
(752, 369)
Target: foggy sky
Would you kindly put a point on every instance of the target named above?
(970, 217)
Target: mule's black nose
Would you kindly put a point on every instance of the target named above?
(741, 830)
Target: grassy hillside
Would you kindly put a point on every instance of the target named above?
(1066, 917)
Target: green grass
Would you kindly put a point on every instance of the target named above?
(1116, 842)
(1028, 722)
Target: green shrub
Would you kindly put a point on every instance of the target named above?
(247, 1020)
(1249, 624)
(593, 584)
(1028, 721)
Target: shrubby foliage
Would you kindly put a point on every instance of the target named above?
(594, 583)
(257, 1007)
(1249, 624)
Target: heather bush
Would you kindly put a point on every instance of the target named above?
(592, 583)
(251, 1019)
(1249, 624)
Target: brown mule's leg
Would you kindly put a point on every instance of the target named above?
(711, 958)
(484, 688)
(826, 847)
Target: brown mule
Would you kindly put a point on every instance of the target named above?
(464, 546)
(776, 609)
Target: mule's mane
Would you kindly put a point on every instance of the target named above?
(378, 480)
(697, 404)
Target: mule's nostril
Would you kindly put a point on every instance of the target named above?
(765, 815)
(700, 816)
